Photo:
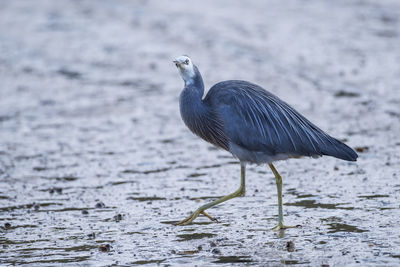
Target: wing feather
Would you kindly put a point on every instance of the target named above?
(258, 121)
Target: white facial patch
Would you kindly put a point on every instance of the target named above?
(186, 69)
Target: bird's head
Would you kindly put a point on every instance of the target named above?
(186, 68)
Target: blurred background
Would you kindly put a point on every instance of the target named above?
(93, 151)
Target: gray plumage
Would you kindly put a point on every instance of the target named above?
(253, 124)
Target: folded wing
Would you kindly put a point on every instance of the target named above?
(258, 121)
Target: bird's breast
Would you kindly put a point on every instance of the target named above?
(203, 122)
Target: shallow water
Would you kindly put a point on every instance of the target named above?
(93, 151)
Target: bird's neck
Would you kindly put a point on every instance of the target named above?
(199, 115)
(195, 83)
(191, 103)
(192, 108)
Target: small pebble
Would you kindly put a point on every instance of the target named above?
(105, 248)
(361, 148)
(212, 244)
(290, 246)
(216, 251)
(7, 225)
(118, 217)
(92, 235)
(36, 207)
(100, 205)
(85, 212)
(55, 189)
(189, 252)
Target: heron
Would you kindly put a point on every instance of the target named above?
(254, 125)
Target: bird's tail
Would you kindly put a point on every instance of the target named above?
(340, 150)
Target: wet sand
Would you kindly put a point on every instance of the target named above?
(93, 151)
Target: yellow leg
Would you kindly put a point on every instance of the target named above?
(278, 180)
(238, 193)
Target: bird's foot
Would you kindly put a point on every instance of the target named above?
(193, 216)
(209, 216)
(281, 226)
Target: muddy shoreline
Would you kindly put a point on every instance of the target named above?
(93, 151)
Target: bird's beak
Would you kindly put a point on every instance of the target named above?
(177, 63)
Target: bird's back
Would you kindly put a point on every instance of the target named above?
(262, 128)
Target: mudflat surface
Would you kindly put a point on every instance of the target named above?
(93, 150)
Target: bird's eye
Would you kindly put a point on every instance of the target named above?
(187, 61)
(176, 64)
